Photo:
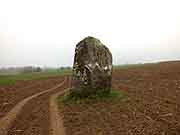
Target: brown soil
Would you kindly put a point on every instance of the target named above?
(11, 95)
(152, 105)
(34, 118)
(56, 122)
(9, 118)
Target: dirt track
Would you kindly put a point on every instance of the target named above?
(152, 108)
(33, 111)
(11, 95)
(56, 120)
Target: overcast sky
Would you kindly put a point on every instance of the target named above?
(45, 32)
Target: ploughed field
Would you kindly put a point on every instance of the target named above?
(150, 104)
(11, 95)
(24, 106)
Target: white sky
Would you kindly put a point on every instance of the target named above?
(45, 32)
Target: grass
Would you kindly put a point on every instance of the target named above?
(12, 79)
(98, 97)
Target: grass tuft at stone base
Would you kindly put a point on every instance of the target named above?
(74, 97)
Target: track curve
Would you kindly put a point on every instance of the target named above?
(7, 121)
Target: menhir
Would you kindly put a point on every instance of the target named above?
(92, 69)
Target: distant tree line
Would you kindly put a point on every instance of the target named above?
(31, 69)
(65, 68)
(17, 70)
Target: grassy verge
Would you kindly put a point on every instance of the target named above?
(12, 79)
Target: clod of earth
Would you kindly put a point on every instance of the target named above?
(92, 69)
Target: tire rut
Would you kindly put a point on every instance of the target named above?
(56, 120)
(11, 119)
(11, 96)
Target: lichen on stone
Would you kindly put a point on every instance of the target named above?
(92, 69)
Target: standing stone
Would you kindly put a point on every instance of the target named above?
(92, 69)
